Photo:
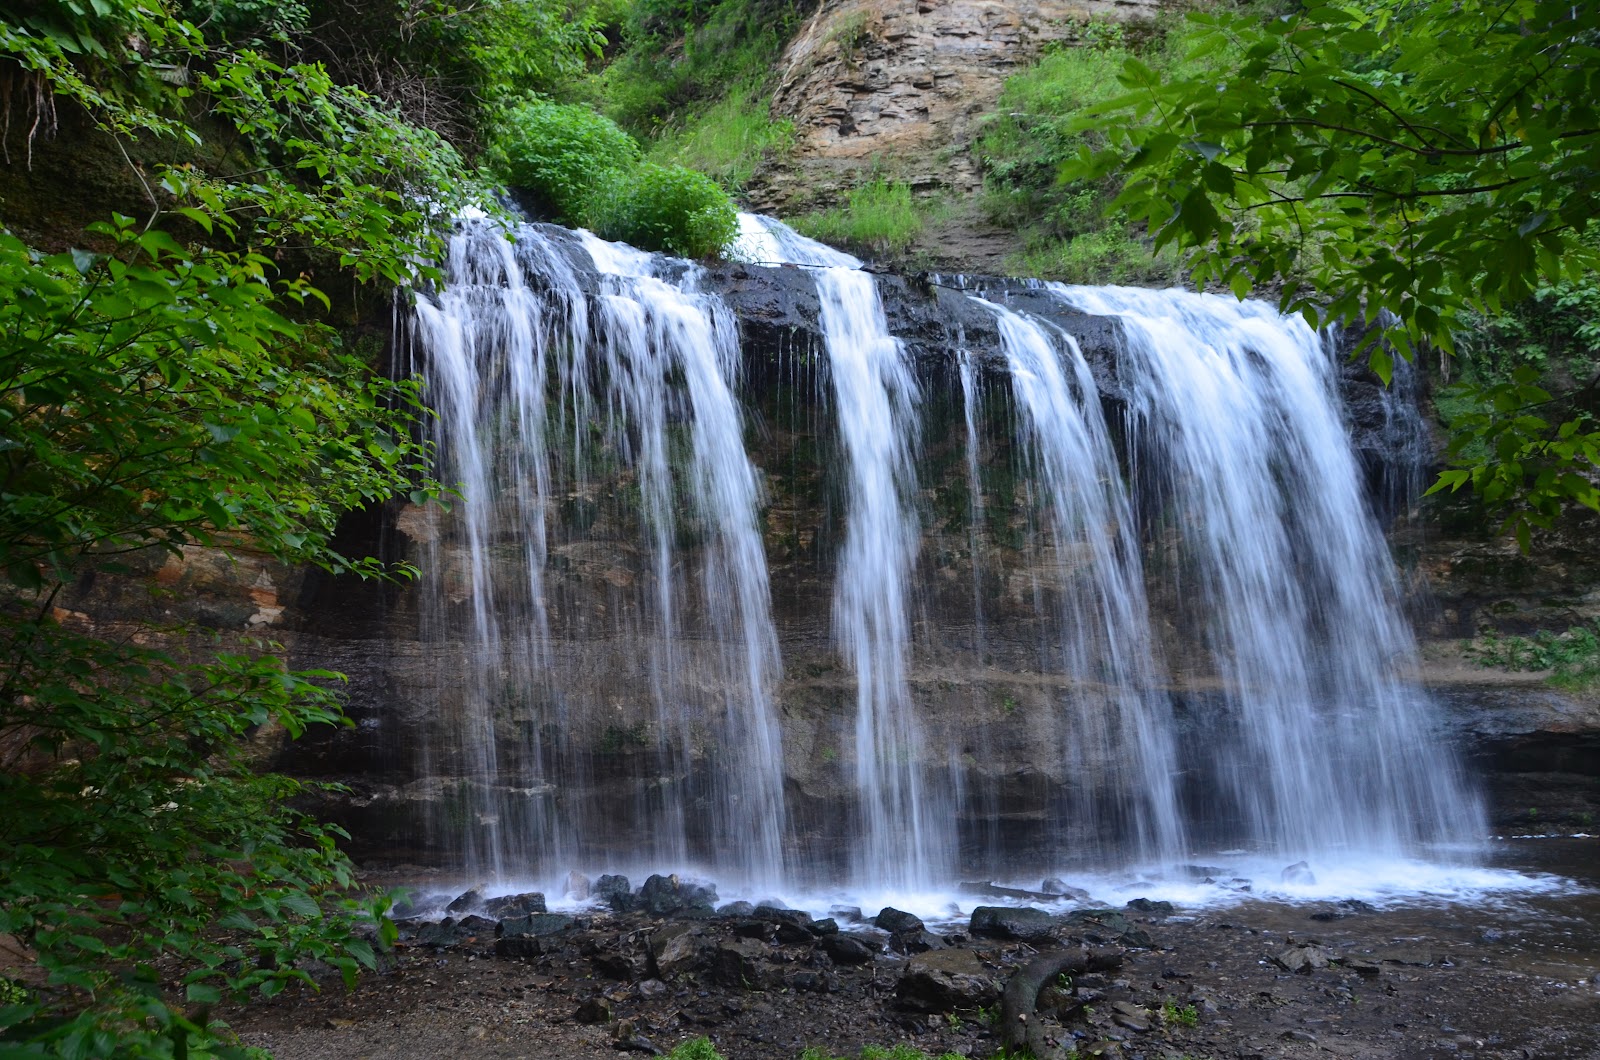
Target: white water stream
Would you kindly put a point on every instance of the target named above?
(592, 411)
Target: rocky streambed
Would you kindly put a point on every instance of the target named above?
(654, 965)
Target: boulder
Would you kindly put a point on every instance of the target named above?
(892, 920)
(533, 935)
(1057, 886)
(623, 967)
(1105, 926)
(946, 980)
(848, 947)
(440, 935)
(827, 926)
(794, 934)
(669, 895)
(741, 963)
(775, 914)
(470, 899)
(1151, 908)
(578, 886)
(811, 982)
(535, 924)
(736, 909)
(508, 905)
(755, 929)
(677, 949)
(917, 940)
(593, 1011)
(1011, 922)
(616, 892)
(1303, 959)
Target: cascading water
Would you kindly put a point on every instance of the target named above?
(1122, 734)
(906, 846)
(1218, 639)
(1320, 746)
(653, 362)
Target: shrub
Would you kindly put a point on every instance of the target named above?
(667, 208)
(562, 154)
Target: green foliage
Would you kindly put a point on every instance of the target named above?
(248, 20)
(171, 388)
(1427, 158)
(899, 1051)
(152, 399)
(562, 153)
(340, 175)
(695, 1049)
(452, 67)
(680, 59)
(668, 208)
(1572, 657)
(1068, 231)
(881, 216)
(726, 140)
(1174, 1014)
(1106, 255)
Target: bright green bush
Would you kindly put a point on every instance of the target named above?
(562, 154)
(667, 208)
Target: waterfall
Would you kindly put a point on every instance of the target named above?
(1319, 743)
(1169, 552)
(1122, 723)
(904, 845)
(645, 377)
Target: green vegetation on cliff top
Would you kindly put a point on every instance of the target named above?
(1421, 165)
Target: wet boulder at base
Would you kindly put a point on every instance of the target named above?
(1022, 923)
(947, 980)
(513, 905)
(670, 896)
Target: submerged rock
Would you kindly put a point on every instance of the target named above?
(1299, 872)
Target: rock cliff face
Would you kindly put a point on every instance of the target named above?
(981, 673)
(899, 86)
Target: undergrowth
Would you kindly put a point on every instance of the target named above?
(1572, 657)
(728, 139)
(901, 1051)
(1069, 229)
(880, 217)
(692, 80)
